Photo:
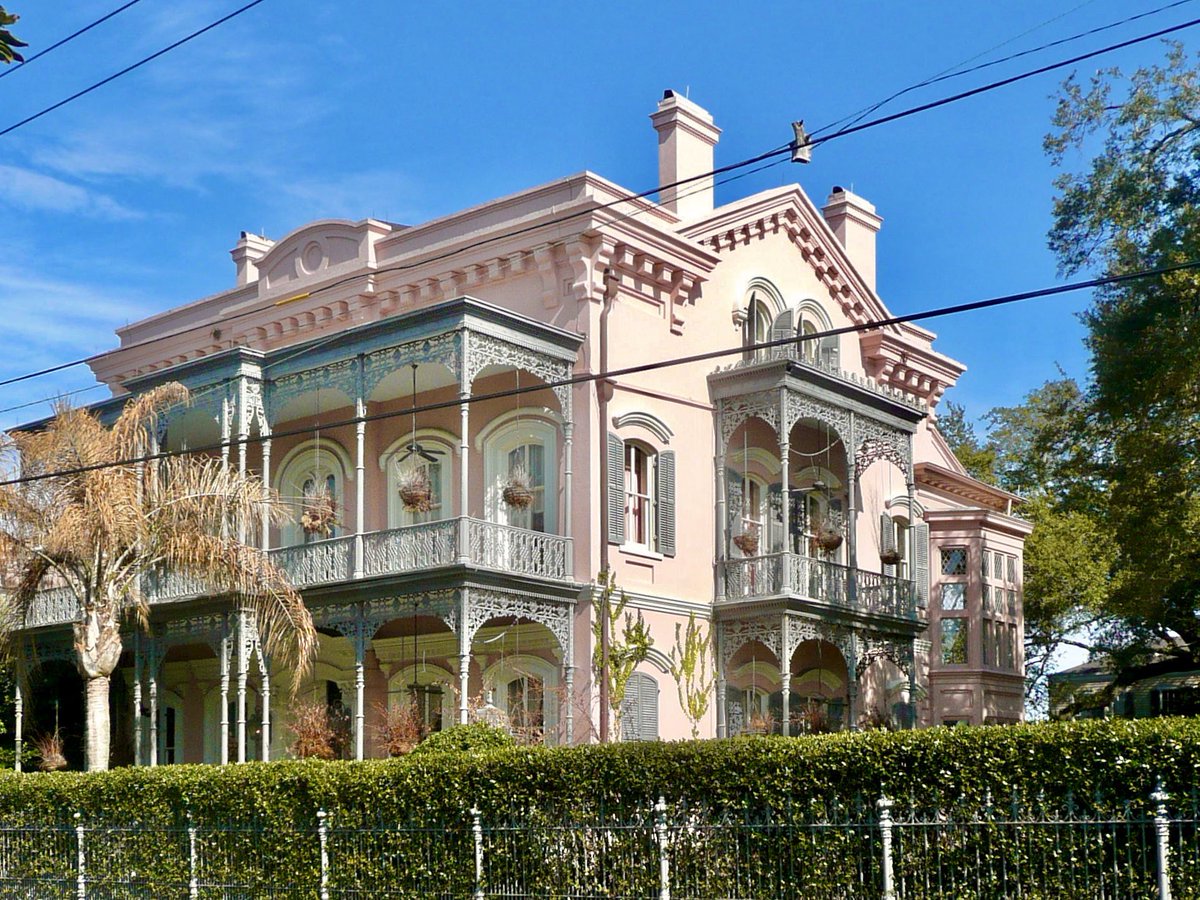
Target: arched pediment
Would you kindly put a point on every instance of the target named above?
(315, 248)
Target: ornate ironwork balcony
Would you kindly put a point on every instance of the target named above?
(425, 546)
(320, 562)
(519, 550)
(819, 581)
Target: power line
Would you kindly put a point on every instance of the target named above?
(958, 71)
(955, 309)
(770, 154)
(125, 71)
(70, 37)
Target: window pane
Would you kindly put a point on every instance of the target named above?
(1012, 603)
(954, 596)
(987, 597)
(954, 642)
(1012, 570)
(983, 567)
(954, 560)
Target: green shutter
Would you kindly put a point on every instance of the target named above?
(616, 489)
(664, 519)
(784, 327)
(887, 540)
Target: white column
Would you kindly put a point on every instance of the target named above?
(266, 480)
(265, 676)
(852, 684)
(464, 472)
(785, 454)
(152, 683)
(722, 726)
(568, 476)
(240, 650)
(464, 656)
(243, 437)
(360, 681)
(18, 725)
(138, 758)
(360, 471)
(569, 683)
(224, 754)
(852, 515)
(722, 519)
(785, 676)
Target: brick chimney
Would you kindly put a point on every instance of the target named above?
(686, 137)
(854, 222)
(249, 249)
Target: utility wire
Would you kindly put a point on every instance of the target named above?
(770, 154)
(761, 157)
(955, 309)
(957, 71)
(70, 37)
(125, 71)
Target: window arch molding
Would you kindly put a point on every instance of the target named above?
(507, 435)
(499, 675)
(760, 311)
(646, 421)
(811, 318)
(426, 675)
(763, 289)
(392, 467)
(318, 460)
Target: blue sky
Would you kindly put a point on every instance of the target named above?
(126, 202)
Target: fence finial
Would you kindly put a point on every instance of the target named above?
(885, 804)
(1162, 831)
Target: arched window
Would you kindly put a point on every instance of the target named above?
(529, 445)
(429, 688)
(641, 496)
(439, 471)
(757, 329)
(525, 688)
(812, 320)
(312, 478)
(639, 708)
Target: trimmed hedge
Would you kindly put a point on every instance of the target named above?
(1118, 759)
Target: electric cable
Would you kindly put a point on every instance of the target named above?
(125, 71)
(770, 154)
(937, 312)
(70, 37)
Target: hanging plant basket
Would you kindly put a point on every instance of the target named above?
(890, 557)
(828, 540)
(747, 542)
(319, 515)
(416, 493)
(518, 489)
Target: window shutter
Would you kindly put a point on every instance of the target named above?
(616, 489)
(784, 328)
(733, 494)
(827, 349)
(629, 709)
(774, 518)
(648, 709)
(887, 540)
(920, 535)
(665, 495)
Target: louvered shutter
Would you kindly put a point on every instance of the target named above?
(616, 489)
(664, 520)
(827, 352)
(629, 709)
(783, 328)
(648, 709)
(733, 494)
(887, 540)
(920, 535)
(774, 518)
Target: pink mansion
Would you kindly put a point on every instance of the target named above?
(797, 499)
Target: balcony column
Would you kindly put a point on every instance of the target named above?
(851, 654)
(464, 653)
(464, 472)
(18, 724)
(568, 468)
(785, 454)
(785, 675)
(224, 754)
(360, 681)
(243, 437)
(721, 539)
(154, 663)
(912, 684)
(720, 681)
(852, 516)
(569, 683)
(360, 469)
(266, 480)
(240, 650)
(138, 759)
(264, 674)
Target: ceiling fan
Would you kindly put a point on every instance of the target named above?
(414, 448)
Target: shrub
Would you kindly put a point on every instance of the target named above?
(475, 737)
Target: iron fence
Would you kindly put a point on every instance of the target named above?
(1017, 849)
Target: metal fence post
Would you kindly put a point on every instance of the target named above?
(885, 838)
(660, 833)
(1162, 831)
(323, 837)
(80, 860)
(193, 874)
(477, 832)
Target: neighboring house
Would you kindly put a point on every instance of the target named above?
(1083, 692)
(798, 499)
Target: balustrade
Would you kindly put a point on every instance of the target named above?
(821, 581)
(320, 562)
(425, 546)
(52, 606)
(518, 550)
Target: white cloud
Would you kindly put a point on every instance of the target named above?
(29, 190)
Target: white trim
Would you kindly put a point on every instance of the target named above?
(434, 434)
(899, 503)
(327, 444)
(498, 442)
(305, 456)
(758, 283)
(813, 474)
(763, 458)
(640, 551)
(650, 422)
(532, 413)
(659, 660)
(509, 668)
(397, 515)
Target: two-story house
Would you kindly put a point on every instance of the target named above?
(797, 499)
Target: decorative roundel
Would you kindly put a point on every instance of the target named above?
(312, 257)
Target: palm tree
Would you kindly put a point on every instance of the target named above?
(109, 521)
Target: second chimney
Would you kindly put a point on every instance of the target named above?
(249, 250)
(686, 137)
(855, 223)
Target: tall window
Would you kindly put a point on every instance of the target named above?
(526, 445)
(312, 479)
(530, 458)
(439, 473)
(640, 500)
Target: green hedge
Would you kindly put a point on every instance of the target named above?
(266, 811)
